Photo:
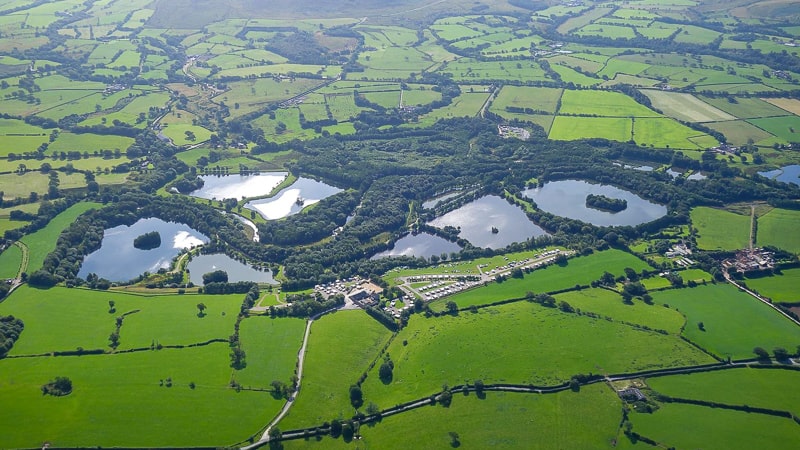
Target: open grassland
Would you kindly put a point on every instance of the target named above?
(733, 322)
(11, 258)
(609, 305)
(271, 346)
(686, 107)
(761, 388)
(667, 133)
(786, 128)
(578, 271)
(42, 242)
(782, 287)
(779, 228)
(720, 230)
(502, 420)
(568, 128)
(340, 348)
(520, 343)
(677, 425)
(83, 319)
(602, 104)
(126, 399)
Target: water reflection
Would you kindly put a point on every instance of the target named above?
(293, 199)
(422, 245)
(237, 271)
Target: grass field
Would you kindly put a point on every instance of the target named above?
(271, 346)
(761, 388)
(602, 104)
(734, 323)
(503, 420)
(522, 343)
(780, 288)
(541, 99)
(779, 228)
(10, 259)
(20, 186)
(686, 107)
(786, 128)
(740, 132)
(609, 304)
(676, 425)
(720, 230)
(123, 398)
(568, 128)
(42, 242)
(578, 271)
(340, 348)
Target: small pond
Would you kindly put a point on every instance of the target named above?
(238, 186)
(787, 174)
(293, 199)
(422, 245)
(118, 260)
(476, 220)
(567, 198)
(237, 271)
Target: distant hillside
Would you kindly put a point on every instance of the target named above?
(198, 13)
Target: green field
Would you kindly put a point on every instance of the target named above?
(734, 322)
(780, 288)
(578, 271)
(609, 305)
(761, 388)
(720, 230)
(541, 99)
(602, 104)
(520, 343)
(42, 242)
(503, 420)
(686, 107)
(568, 128)
(271, 346)
(786, 128)
(779, 228)
(10, 260)
(340, 348)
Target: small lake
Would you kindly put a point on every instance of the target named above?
(787, 174)
(285, 203)
(422, 245)
(436, 200)
(118, 260)
(567, 198)
(477, 218)
(238, 186)
(237, 271)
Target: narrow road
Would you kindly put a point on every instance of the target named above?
(752, 225)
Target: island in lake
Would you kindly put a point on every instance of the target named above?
(604, 203)
(148, 241)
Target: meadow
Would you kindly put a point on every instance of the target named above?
(340, 348)
(719, 229)
(519, 343)
(779, 228)
(686, 107)
(503, 420)
(42, 242)
(11, 258)
(568, 128)
(540, 99)
(271, 346)
(610, 305)
(733, 322)
(781, 287)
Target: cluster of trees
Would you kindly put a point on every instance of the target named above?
(10, 329)
(604, 203)
(148, 241)
(59, 387)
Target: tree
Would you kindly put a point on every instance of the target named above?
(238, 358)
(356, 396)
(59, 387)
(385, 371)
(565, 307)
(201, 307)
(701, 326)
(454, 439)
(781, 354)
(452, 307)
(761, 353)
(111, 306)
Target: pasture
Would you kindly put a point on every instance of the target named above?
(538, 99)
(686, 107)
(781, 287)
(602, 104)
(569, 128)
(340, 348)
(42, 242)
(503, 420)
(519, 343)
(271, 346)
(667, 133)
(733, 322)
(718, 229)
(609, 305)
(779, 228)
(786, 128)
(11, 258)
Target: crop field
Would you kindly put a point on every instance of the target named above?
(781, 288)
(529, 339)
(677, 424)
(609, 305)
(578, 271)
(686, 107)
(20, 186)
(42, 242)
(745, 108)
(779, 228)
(538, 422)
(340, 348)
(761, 388)
(568, 128)
(740, 132)
(720, 230)
(734, 323)
(469, 70)
(789, 104)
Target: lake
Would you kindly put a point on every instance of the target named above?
(422, 245)
(436, 200)
(238, 186)
(237, 271)
(285, 203)
(477, 218)
(787, 174)
(567, 198)
(118, 260)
